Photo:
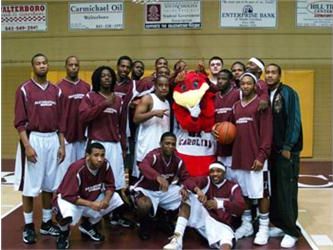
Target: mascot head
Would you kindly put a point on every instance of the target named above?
(194, 103)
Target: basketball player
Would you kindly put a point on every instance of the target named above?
(162, 173)
(153, 116)
(284, 160)
(212, 203)
(73, 89)
(224, 101)
(215, 66)
(86, 190)
(103, 112)
(250, 152)
(237, 69)
(138, 70)
(41, 148)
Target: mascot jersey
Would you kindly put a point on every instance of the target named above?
(194, 112)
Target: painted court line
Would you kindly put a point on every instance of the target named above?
(12, 210)
(307, 237)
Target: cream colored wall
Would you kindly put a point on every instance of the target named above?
(291, 47)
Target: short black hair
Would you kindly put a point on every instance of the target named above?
(96, 78)
(215, 58)
(228, 72)
(126, 58)
(275, 65)
(161, 57)
(167, 134)
(138, 61)
(239, 63)
(93, 145)
(69, 57)
(37, 55)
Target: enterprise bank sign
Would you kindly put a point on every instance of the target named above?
(248, 13)
(101, 15)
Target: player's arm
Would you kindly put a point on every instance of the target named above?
(61, 150)
(143, 110)
(29, 150)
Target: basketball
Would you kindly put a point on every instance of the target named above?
(227, 132)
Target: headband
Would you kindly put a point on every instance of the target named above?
(258, 63)
(217, 165)
(249, 74)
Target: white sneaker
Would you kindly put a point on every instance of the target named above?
(245, 230)
(176, 243)
(288, 241)
(276, 232)
(261, 236)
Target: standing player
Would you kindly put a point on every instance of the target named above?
(153, 116)
(215, 66)
(209, 209)
(138, 70)
(284, 160)
(73, 89)
(250, 152)
(163, 172)
(224, 101)
(86, 190)
(41, 148)
(237, 69)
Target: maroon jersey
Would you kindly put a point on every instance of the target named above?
(262, 90)
(104, 120)
(147, 82)
(254, 134)
(228, 191)
(223, 112)
(38, 109)
(154, 164)
(73, 93)
(80, 182)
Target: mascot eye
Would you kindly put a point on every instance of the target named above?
(183, 87)
(195, 85)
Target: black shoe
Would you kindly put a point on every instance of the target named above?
(49, 228)
(29, 234)
(143, 233)
(63, 240)
(90, 230)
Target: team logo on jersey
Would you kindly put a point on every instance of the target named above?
(45, 103)
(244, 120)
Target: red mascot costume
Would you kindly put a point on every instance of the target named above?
(194, 112)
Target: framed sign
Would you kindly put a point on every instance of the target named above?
(96, 16)
(314, 13)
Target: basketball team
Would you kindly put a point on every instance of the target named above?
(107, 152)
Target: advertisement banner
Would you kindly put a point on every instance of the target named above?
(171, 14)
(248, 13)
(96, 16)
(314, 13)
(24, 17)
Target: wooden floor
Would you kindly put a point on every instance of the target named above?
(315, 219)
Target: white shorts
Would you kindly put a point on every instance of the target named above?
(68, 209)
(216, 232)
(227, 161)
(169, 200)
(114, 154)
(39, 176)
(74, 152)
(250, 182)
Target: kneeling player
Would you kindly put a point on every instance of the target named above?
(209, 209)
(87, 191)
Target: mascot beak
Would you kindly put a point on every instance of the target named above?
(190, 98)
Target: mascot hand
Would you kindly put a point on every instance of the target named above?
(195, 111)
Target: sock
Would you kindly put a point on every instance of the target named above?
(264, 219)
(47, 214)
(28, 217)
(181, 225)
(64, 228)
(94, 221)
(247, 216)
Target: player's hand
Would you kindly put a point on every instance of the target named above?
(161, 112)
(286, 154)
(211, 204)
(164, 185)
(184, 193)
(214, 130)
(96, 205)
(201, 196)
(31, 154)
(61, 154)
(263, 104)
(104, 204)
(257, 165)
